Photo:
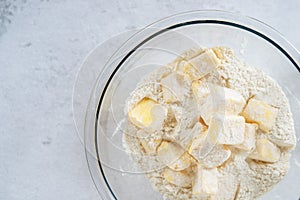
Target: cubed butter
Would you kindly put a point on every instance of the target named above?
(233, 130)
(249, 139)
(172, 155)
(207, 152)
(284, 142)
(226, 130)
(222, 130)
(201, 65)
(261, 113)
(223, 101)
(216, 157)
(148, 114)
(205, 182)
(265, 151)
(179, 178)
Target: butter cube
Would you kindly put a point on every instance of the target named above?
(226, 130)
(261, 113)
(207, 152)
(150, 145)
(173, 87)
(216, 157)
(249, 139)
(172, 155)
(265, 151)
(148, 114)
(201, 65)
(209, 155)
(222, 130)
(221, 100)
(205, 182)
(284, 142)
(179, 178)
(233, 130)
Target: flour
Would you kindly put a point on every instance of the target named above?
(239, 177)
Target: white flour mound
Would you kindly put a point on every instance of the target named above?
(239, 178)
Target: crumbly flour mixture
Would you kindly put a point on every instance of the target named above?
(206, 126)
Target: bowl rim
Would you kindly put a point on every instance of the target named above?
(236, 20)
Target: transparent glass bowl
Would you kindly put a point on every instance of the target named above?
(106, 80)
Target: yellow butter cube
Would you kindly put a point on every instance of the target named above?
(148, 114)
(201, 65)
(261, 113)
(205, 182)
(179, 178)
(207, 152)
(265, 151)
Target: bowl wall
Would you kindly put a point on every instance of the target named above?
(114, 173)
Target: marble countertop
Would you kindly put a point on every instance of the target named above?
(42, 44)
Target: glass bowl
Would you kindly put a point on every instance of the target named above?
(106, 80)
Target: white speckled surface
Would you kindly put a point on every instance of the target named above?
(41, 46)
